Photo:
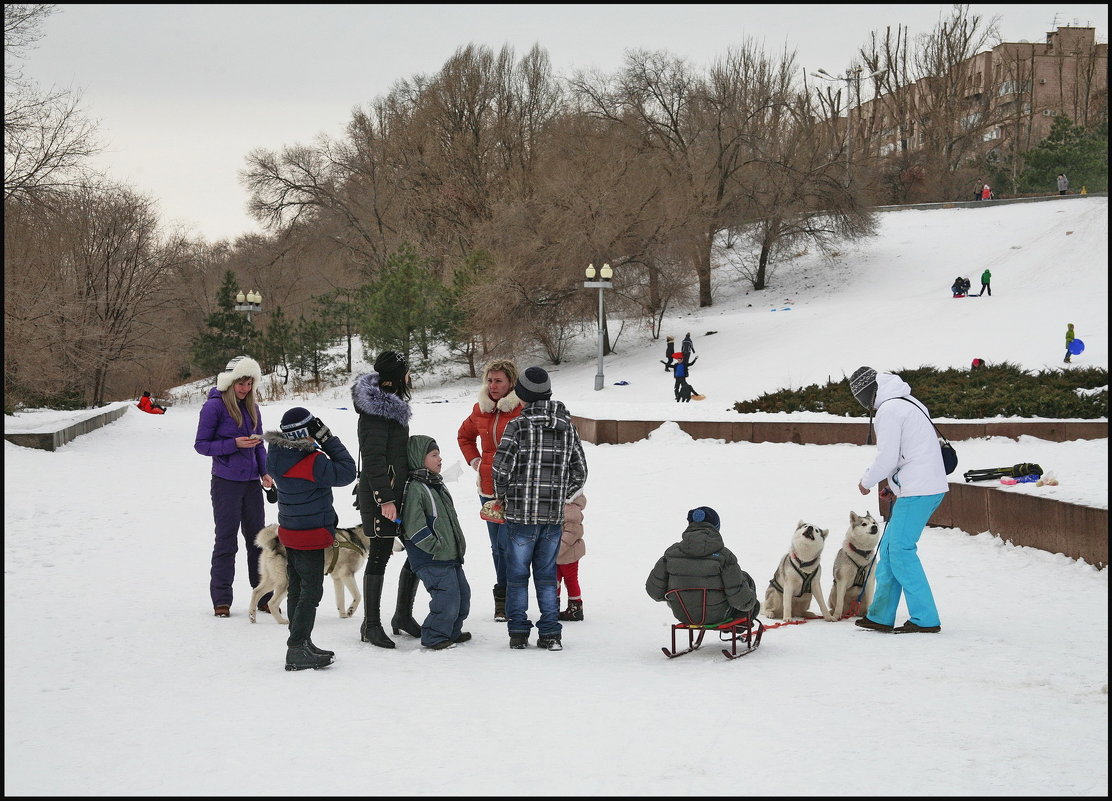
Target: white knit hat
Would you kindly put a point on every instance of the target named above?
(239, 367)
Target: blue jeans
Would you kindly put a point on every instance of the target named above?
(496, 530)
(449, 601)
(532, 547)
(898, 569)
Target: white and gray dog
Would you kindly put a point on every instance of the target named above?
(853, 567)
(797, 578)
(342, 560)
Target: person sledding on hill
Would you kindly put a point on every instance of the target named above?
(147, 404)
(960, 287)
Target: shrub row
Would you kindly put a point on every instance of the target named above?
(1002, 390)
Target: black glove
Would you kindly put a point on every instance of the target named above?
(318, 430)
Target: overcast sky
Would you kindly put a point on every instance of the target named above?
(184, 92)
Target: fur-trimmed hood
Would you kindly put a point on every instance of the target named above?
(276, 439)
(369, 398)
(507, 403)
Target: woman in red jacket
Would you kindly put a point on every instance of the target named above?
(497, 405)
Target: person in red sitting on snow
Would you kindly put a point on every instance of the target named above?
(147, 404)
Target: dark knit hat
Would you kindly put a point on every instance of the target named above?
(863, 386)
(391, 366)
(533, 385)
(295, 423)
(704, 514)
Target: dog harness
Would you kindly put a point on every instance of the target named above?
(807, 577)
(862, 570)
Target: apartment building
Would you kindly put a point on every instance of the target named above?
(1002, 99)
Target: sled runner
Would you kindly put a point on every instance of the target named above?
(742, 634)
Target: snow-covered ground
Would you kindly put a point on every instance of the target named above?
(119, 681)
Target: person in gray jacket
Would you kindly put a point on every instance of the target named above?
(701, 561)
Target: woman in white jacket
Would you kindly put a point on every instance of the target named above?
(909, 457)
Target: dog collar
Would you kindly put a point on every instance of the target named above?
(858, 551)
(804, 564)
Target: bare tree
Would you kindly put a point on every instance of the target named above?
(940, 97)
(97, 300)
(47, 138)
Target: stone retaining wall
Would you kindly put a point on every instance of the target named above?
(618, 432)
(52, 440)
(1079, 532)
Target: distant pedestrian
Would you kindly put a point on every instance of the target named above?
(687, 348)
(978, 187)
(986, 276)
(1069, 341)
(669, 353)
(1063, 184)
(986, 192)
(976, 363)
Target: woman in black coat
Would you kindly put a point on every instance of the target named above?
(382, 400)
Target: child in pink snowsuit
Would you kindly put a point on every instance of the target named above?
(571, 551)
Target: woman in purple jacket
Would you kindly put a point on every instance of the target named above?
(230, 431)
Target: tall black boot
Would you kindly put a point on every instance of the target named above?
(407, 593)
(371, 630)
(500, 603)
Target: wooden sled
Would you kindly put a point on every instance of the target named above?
(741, 634)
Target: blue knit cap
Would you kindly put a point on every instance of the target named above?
(704, 514)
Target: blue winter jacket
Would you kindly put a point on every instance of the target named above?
(216, 437)
(305, 474)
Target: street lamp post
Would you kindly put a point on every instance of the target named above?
(252, 303)
(852, 79)
(605, 274)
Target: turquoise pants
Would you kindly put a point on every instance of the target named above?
(898, 568)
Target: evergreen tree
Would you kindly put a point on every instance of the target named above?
(1069, 149)
(312, 338)
(401, 305)
(228, 332)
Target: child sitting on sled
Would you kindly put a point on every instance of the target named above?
(698, 561)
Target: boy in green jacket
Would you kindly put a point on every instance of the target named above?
(435, 544)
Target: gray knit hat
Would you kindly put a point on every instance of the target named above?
(533, 385)
(863, 386)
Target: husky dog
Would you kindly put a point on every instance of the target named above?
(853, 566)
(343, 560)
(797, 577)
